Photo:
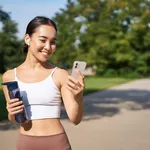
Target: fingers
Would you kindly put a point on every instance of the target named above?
(14, 102)
(73, 82)
(14, 106)
(75, 86)
(16, 110)
(72, 85)
(80, 78)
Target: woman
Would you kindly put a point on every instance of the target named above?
(42, 85)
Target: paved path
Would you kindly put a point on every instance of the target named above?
(115, 119)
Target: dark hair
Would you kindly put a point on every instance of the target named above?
(35, 23)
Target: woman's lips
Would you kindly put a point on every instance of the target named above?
(45, 53)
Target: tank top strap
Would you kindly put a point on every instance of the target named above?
(53, 71)
(15, 73)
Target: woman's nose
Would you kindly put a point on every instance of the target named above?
(47, 46)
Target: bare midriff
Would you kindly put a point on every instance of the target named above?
(42, 127)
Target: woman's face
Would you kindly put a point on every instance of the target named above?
(42, 43)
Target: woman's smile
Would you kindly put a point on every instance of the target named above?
(46, 53)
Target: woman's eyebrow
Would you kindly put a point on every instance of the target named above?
(41, 36)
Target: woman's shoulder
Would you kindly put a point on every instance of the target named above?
(61, 75)
(8, 75)
(62, 72)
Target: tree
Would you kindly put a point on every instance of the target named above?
(67, 36)
(9, 44)
(111, 35)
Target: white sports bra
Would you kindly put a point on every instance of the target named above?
(41, 99)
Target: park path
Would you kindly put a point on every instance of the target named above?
(115, 119)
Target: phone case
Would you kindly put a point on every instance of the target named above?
(80, 65)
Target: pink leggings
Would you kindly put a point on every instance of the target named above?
(52, 142)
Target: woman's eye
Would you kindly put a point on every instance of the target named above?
(53, 42)
(43, 41)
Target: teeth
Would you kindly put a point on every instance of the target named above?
(44, 53)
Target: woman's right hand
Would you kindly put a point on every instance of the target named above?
(14, 106)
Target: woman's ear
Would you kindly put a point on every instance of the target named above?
(27, 39)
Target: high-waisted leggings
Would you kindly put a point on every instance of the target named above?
(52, 142)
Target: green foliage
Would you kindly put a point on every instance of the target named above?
(9, 44)
(111, 35)
(3, 15)
(3, 114)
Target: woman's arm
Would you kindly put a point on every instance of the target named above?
(72, 95)
(13, 106)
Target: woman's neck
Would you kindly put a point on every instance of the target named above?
(32, 62)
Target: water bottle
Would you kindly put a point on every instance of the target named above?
(14, 92)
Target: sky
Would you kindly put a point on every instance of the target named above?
(22, 11)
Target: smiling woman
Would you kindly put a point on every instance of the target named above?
(41, 42)
(43, 86)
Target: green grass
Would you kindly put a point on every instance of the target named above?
(92, 84)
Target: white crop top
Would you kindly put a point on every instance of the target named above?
(41, 99)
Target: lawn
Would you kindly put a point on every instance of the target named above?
(92, 84)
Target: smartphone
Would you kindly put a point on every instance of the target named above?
(78, 65)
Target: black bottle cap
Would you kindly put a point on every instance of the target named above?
(11, 85)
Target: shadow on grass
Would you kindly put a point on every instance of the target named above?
(105, 103)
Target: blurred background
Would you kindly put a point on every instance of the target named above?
(113, 37)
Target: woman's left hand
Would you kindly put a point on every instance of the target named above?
(76, 86)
